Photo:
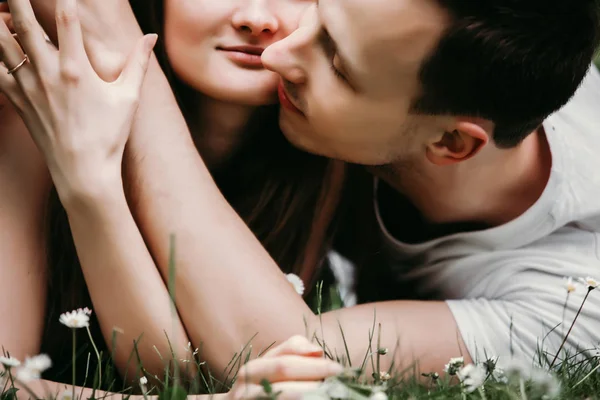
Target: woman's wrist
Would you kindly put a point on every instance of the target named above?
(89, 190)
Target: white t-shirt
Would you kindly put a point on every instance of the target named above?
(513, 275)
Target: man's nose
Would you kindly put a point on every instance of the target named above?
(291, 56)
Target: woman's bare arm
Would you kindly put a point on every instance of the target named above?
(126, 289)
(25, 185)
(294, 367)
(54, 390)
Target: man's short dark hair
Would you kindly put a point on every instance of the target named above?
(513, 62)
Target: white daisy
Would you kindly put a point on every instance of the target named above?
(76, 319)
(472, 377)
(546, 383)
(33, 367)
(499, 375)
(570, 285)
(590, 282)
(9, 362)
(516, 369)
(296, 282)
(143, 383)
(336, 390)
(67, 394)
(454, 365)
(379, 395)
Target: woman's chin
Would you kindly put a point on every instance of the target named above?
(232, 84)
(250, 96)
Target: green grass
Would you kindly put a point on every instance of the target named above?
(573, 374)
(572, 377)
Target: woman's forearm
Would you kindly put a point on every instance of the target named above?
(126, 289)
(221, 265)
(25, 184)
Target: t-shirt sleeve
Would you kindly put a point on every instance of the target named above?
(530, 317)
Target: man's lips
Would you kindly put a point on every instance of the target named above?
(245, 56)
(285, 100)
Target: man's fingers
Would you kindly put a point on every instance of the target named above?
(296, 345)
(285, 390)
(135, 69)
(288, 368)
(30, 33)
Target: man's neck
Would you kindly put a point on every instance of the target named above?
(492, 189)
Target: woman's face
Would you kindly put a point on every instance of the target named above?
(214, 46)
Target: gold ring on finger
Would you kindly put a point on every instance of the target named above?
(18, 66)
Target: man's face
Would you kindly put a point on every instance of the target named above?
(350, 74)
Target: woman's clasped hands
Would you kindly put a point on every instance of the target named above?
(294, 368)
(79, 121)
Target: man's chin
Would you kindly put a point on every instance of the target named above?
(300, 138)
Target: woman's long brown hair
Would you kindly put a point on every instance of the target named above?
(277, 189)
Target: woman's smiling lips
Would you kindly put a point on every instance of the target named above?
(244, 56)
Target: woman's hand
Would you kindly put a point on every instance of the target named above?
(80, 122)
(293, 368)
(110, 31)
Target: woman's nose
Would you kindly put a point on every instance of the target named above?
(255, 18)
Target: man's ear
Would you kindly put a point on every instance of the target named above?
(459, 143)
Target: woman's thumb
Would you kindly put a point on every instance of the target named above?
(135, 69)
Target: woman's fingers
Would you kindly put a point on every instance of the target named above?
(134, 72)
(288, 368)
(9, 86)
(285, 390)
(11, 53)
(70, 37)
(296, 345)
(30, 33)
